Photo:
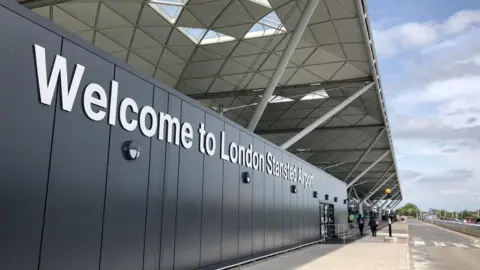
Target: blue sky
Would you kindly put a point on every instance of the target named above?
(429, 60)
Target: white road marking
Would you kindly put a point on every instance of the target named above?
(418, 243)
(460, 245)
(477, 245)
(439, 244)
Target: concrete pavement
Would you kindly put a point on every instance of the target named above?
(436, 248)
(367, 253)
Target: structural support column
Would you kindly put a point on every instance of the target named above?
(326, 116)
(377, 188)
(365, 153)
(282, 64)
(367, 169)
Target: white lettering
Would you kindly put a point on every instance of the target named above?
(128, 102)
(112, 116)
(210, 144)
(201, 145)
(89, 100)
(222, 146)
(187, 133)
(149, 132)
(173, 128)
(47, 89)
(233, 153)
(269, 163)
(255, 161)
(248, 156)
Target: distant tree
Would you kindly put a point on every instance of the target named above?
(408, 209)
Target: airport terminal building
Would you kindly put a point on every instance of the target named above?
(185, 134)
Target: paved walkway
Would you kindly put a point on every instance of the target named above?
(367, 253)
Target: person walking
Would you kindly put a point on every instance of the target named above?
(361, 222)
(373, 226)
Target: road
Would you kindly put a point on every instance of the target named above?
(435, 248)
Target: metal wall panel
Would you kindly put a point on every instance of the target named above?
(189, 195)
(156, 179)
(78, 170)
(259, 197)
(287, 198)
(231, 181)
(269, 206)
(279, 206)
(212, 199)
(245, 207)
(127, 183)
(169, 213)
(26, 134)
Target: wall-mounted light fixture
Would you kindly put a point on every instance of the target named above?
(293, 188)
(315, 194)
(326, 197)
(335, 199)
(246, 178)
(131, 150)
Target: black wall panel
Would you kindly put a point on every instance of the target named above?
(287, 197)
(279, 187)
(189, 195)
(78, 170)
(169, 213)
(231, 181)
(212, 198)
(269, 207)
(127, 182)
(153, 222)
(26, 134)
(259, 197)
(245, 222)
(70, 200)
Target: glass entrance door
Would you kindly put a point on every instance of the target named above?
(327, 220)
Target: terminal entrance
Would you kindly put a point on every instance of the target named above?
(327, 221)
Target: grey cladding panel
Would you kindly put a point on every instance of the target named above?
(189, 194)
(212, 199)
(259, 198)
(231, 181)
(156, 180)
(127, 182)
(245, 205)
(78, 170)
(169, 212)
(27, 127)
(269, 207)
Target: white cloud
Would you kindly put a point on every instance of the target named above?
(461, 21)
(455, 101)
(414, 34)
(404, 36)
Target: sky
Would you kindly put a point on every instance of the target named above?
(429, 60)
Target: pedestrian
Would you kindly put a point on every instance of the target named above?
(361, 222)
(373, 226)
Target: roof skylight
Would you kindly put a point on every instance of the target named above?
(169, 9)
(267, 26)
(278, 99)
(262, 2)
(320, 94)
(204, 36)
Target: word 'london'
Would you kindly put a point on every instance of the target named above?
(149, 120)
